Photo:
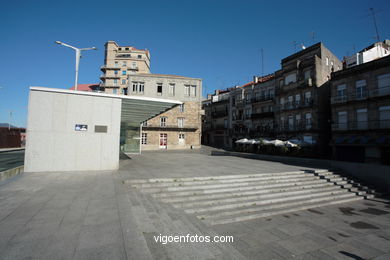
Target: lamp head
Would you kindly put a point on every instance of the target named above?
(58, 42)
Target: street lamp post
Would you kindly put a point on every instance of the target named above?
(78, 55)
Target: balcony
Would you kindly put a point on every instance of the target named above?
(297, 127)
(133, 68)
(262, 99)
(109, 85)
(304, 83)
(362, 125)
(109, 67)
(360, 95)
(184, 127)
(104, 76)
(298, 104)
(218, 114)
(262, 115)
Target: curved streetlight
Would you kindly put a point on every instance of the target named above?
(78, 55)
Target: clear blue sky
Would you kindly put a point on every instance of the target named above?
(218, 41)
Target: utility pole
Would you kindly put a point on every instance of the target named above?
(295, 46)
(9, 121)
(312, 37)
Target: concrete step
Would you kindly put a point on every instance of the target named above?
(251, 187)
(231, 193)
(226, 185)
(282, 209)
(269, 202)
(258, 197)
(219, 181)
(223, 177)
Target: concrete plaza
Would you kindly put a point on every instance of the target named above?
(94, 215)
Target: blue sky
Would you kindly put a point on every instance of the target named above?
(218, 41)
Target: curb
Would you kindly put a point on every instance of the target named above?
(11, 172)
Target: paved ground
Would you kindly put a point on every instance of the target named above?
(11, 159)
(93, 215)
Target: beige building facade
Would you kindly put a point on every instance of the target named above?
(127, 72)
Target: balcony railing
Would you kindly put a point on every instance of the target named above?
(171, 127)
(262, 98)
(217, 114)
(109, 85)
(297, 104)
(110, 76)
(262, 115)
(362, 125)
(360, 95)
(297, 127)
(109, 67)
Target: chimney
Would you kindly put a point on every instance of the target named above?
(255, 79)
(217, 92)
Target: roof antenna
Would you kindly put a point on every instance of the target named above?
(313, 36)
(262, 62)
(295, 46)
(376, 27)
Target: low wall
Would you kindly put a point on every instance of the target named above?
(373, 174)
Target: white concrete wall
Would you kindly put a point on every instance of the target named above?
(54, 145)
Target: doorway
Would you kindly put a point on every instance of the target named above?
(163, 141)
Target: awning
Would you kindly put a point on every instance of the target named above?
(136, 110)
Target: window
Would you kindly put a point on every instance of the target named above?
(126, 48)
(384, 117)
(124, 64)
(342, 119)
(134, 65)
(187, 90)
(163, 121)
(123, 82)
(193, 91)
(298, 120)
(115, 81)
(171, 89)
(327, 61)
(181, 108)
(290, 122)
(384, 84)
(145, 123)
(341, 92)
(115, 72)
(290, 78)
(114, 91)
(308, 120)
(307, 74)
(144, 138)
(290, 101)
(297, 99)
(361, 118)
(123, 72)
(308, 97)
(138, 87)
(139, 56)
(225, 123)
(180, 122)
(361, 90)
(281, 101)
(281, 82)
(116, 64)
(159, 89)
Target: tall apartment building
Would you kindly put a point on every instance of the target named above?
(360, 101)
(263, 94)
(216, 129)
(119, 62)
(127, 72)
(302, 104)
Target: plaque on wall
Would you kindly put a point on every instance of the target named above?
(81, 127)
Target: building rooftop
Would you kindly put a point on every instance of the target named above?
(86, 87)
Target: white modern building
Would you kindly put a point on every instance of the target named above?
(77, 130)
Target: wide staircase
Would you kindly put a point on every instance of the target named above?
(232, 198)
